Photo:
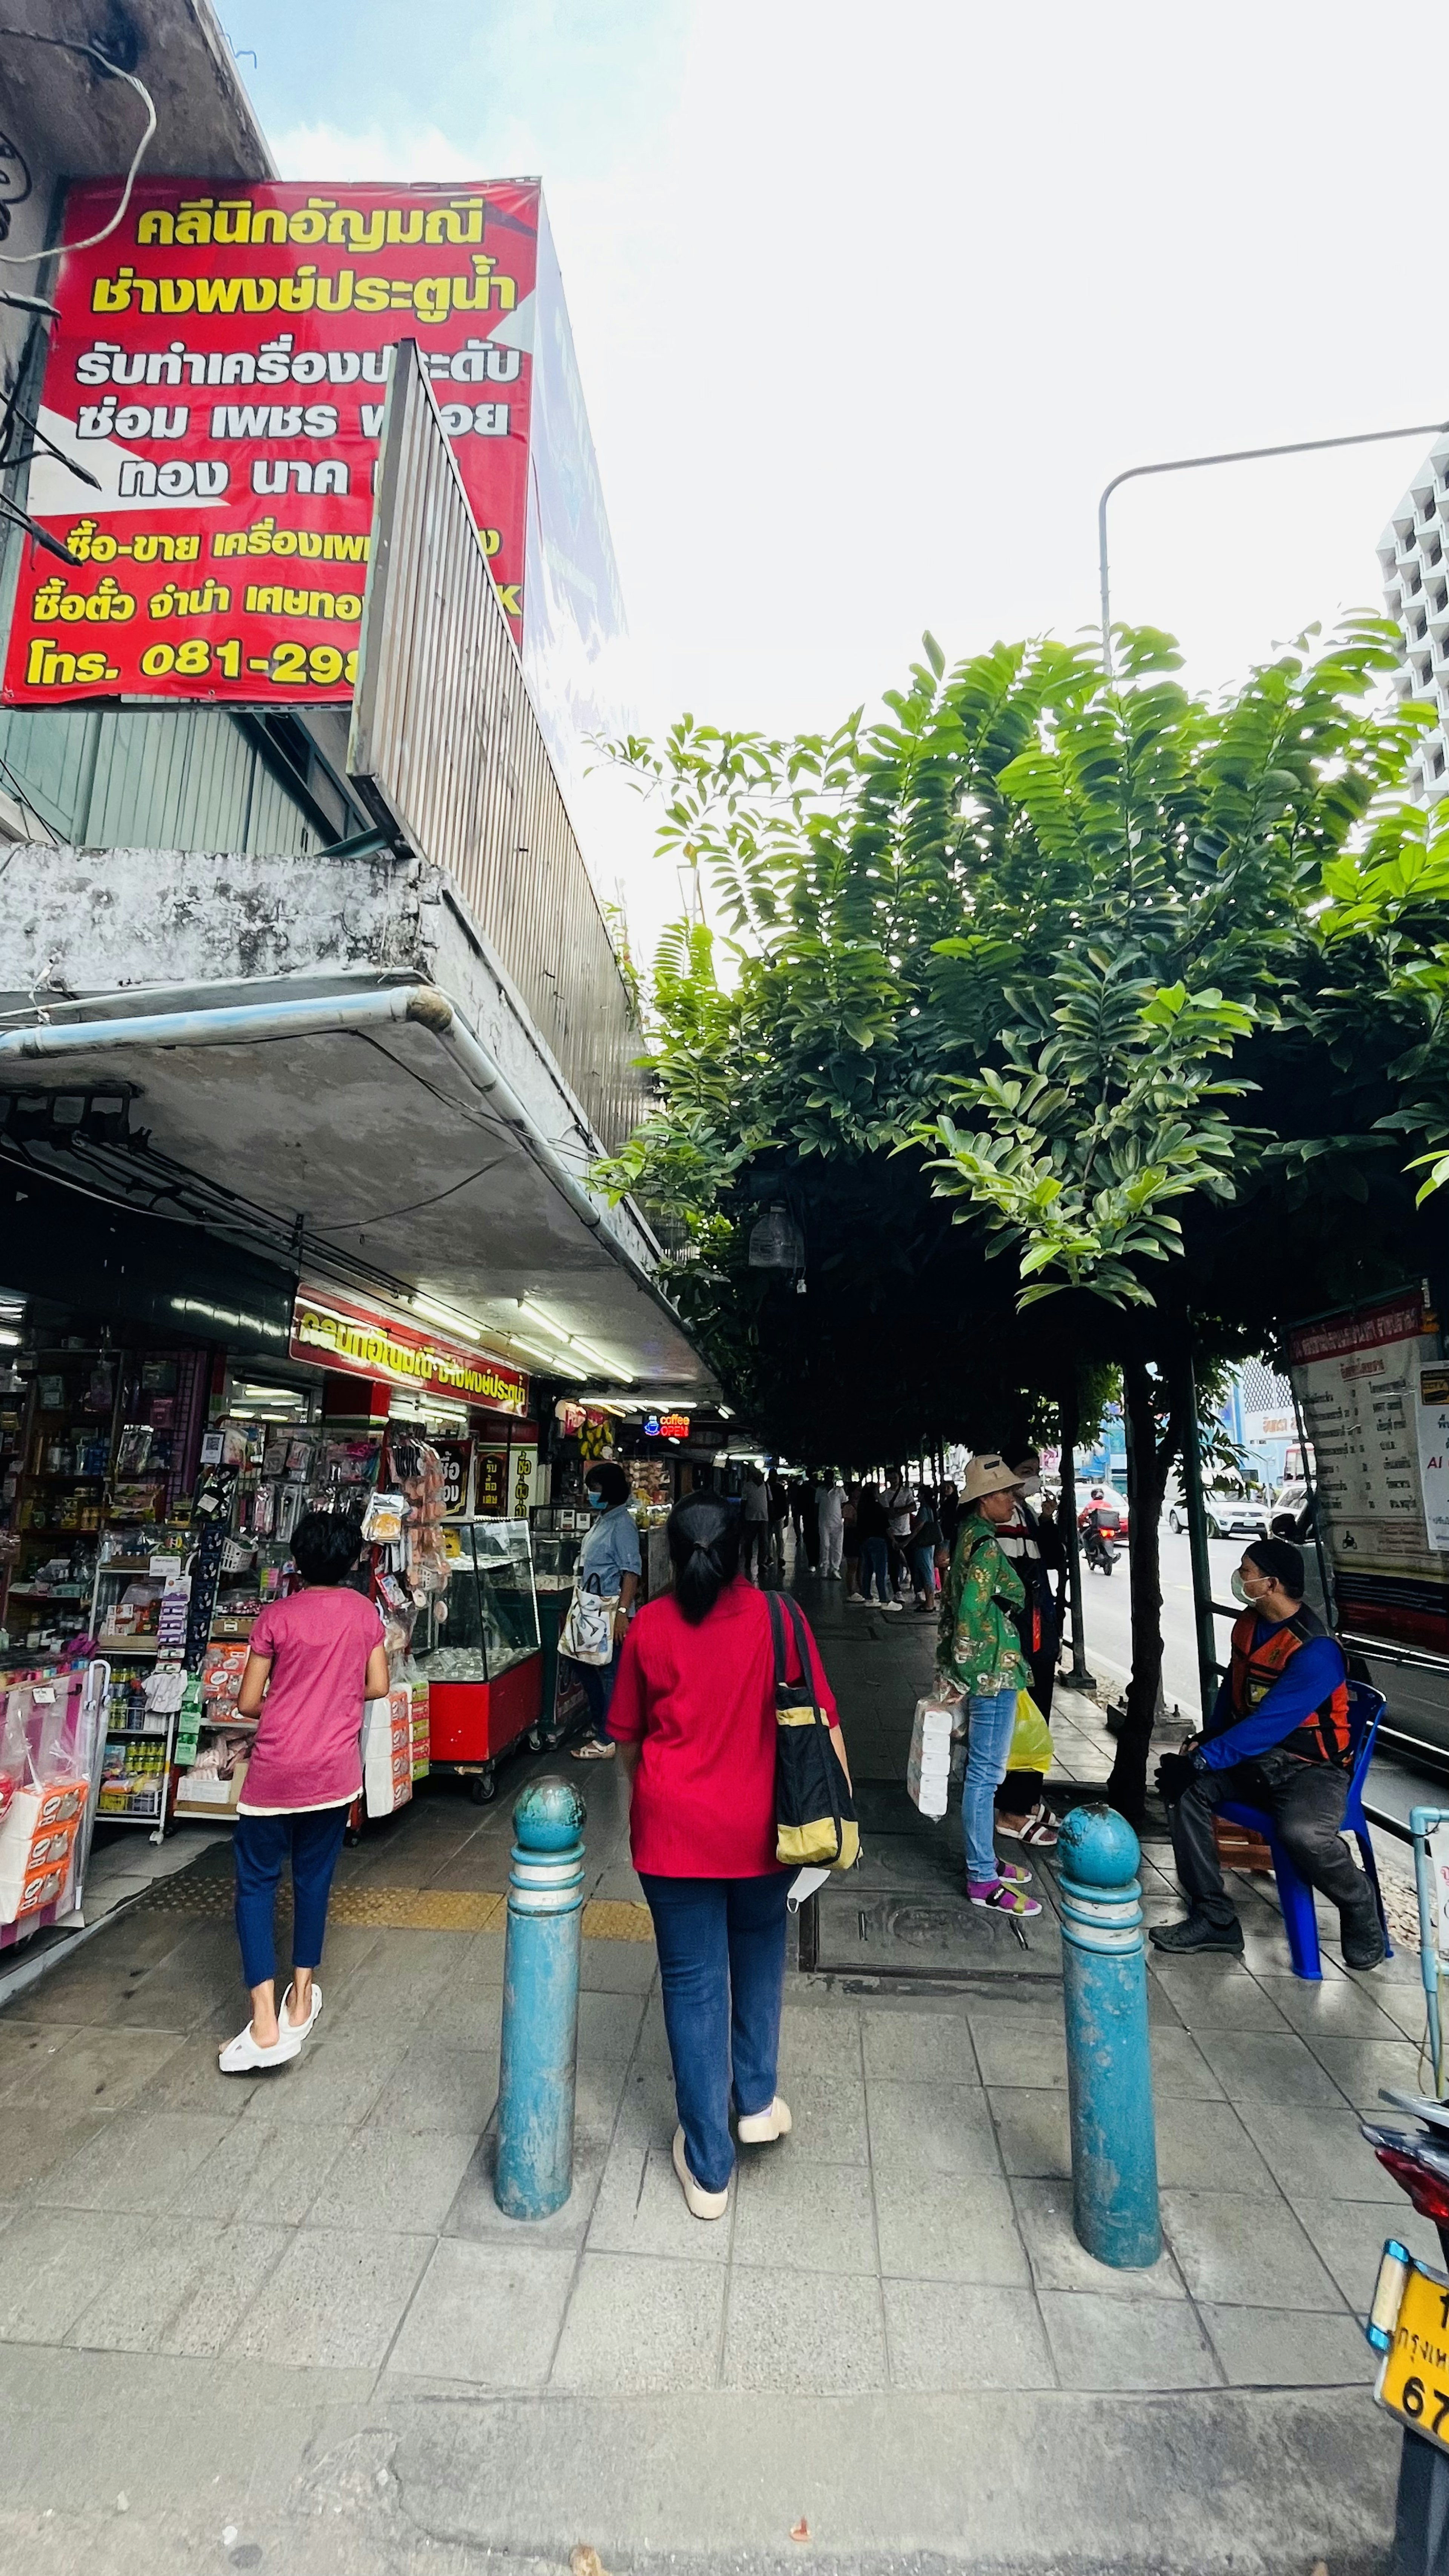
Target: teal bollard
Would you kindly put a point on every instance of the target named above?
(535, 2168)
(1109, 2062)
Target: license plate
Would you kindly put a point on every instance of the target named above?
(1413, 2382)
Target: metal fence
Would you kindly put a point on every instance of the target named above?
(447, 748)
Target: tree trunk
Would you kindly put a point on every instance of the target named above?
(1148, 1463)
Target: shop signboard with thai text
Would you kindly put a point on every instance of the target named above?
(218, 376)
(333, 1333)
(1367, 1383)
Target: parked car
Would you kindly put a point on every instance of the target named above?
(1228, 1515)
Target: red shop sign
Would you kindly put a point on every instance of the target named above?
(333, 1333)
(220, 369)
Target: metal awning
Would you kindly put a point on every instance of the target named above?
(371, 1137)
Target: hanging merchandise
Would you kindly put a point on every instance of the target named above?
(49, 1734)
(383, 1523)
(215, 1493)
(191, 1705)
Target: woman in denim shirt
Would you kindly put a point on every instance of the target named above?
(980, 1652)
(609, 1562)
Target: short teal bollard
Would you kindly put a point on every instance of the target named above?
(1109, 2063)
(535, 2169)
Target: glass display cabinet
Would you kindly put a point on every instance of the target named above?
(477, 1647)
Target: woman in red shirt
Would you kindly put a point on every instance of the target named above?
(693, 1715)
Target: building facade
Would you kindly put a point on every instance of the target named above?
(1415, 564)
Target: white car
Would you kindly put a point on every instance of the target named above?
(1227, 1515)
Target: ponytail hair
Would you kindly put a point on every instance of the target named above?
(704, 1548)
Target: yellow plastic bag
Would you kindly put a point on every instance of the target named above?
(1031, 1740)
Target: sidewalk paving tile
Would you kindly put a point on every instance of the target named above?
(1268, 2347)
(1060, 2261)
(1362, 2067)
(34, 2143)
(790, 2215)
(138, 2162)
(828, 2118)
(952, 2335)
(52, 2264)
(336, 2298)
(403, 2181)
(100, 2069)
(944, 2126)
(1321, 2155)
(640, 2209)
(1348, 2236)
(1108, 2343)
(637, 2323)
(949, 2227)
(918, 2047)
(488, 2314)
(338, 2077)
(825, 2337)
(1033, 2130)
(1332, 2007)
(437, 2086)
(1208, 2146)
(466, 2013)
(609, 2025)
(261, 2172)
(181, 2289)
(816, 2042)
(1258, 2067)
(1215, 1994)
(1236, 2247)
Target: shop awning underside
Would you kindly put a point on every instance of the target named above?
(360, 1127)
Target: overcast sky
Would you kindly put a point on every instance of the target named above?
(870, 303)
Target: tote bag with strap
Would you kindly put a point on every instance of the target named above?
(815, 1821)
(587, 1635)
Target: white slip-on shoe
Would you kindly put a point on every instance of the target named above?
(301, 2028)
(699, 2202)
(758, 2128)
(242, 2056)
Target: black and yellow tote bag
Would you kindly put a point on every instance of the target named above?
(815, 1818)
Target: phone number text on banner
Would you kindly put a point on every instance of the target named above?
(220, 370)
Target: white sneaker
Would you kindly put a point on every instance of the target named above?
(243, 2056)
(856, 1601)
(893, 1605)
(759, 2128)
(303, 2029)
(699, 2202)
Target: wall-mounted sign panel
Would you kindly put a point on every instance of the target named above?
(219, 370)
(1366, 1383)
(331, 1331)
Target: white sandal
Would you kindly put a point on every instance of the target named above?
(244, 2056)
(301, 2029)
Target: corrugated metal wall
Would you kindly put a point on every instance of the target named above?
(162, 778)
(445, 742)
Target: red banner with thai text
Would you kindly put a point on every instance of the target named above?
(219, 371)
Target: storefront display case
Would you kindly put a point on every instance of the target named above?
(477, 1645)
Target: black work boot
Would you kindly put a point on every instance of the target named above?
(1360, 1933)
(1196, 1932)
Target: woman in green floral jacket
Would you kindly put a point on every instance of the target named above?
(980, 1651)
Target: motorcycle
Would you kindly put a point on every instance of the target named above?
(1406, 2326)
(1100, 1548)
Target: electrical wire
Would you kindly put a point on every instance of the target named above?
(68, 45)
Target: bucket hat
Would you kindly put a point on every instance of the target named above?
(989, 1474)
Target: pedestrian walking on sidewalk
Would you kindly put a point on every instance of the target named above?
(610, 1564)
(755, 1516)
(870, 1522)
(694, 1720)
(980, 1652)
(1032, 1543)
(850, 1542)
(831, 1518)
(313, 1661)
(925, 1536)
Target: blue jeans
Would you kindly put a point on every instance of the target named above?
(722, 1967)
(992, 1721)
(262, 1844)
(923, 1570)
(598, 1681)
(874, 1561)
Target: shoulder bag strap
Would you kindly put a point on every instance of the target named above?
(802, 1644)
(777, 1631)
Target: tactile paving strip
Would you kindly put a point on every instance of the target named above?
(390, 1909)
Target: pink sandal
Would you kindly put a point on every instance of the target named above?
(998, 1898)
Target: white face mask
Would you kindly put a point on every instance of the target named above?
(1238, 1588)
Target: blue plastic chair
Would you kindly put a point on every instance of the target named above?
(1366, 1707)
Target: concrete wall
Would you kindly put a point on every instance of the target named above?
(90, 926)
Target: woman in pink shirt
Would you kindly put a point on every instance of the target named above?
(314, 1659)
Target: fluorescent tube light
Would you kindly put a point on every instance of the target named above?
(443, 1315)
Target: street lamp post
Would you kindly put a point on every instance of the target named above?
(1230, 456)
